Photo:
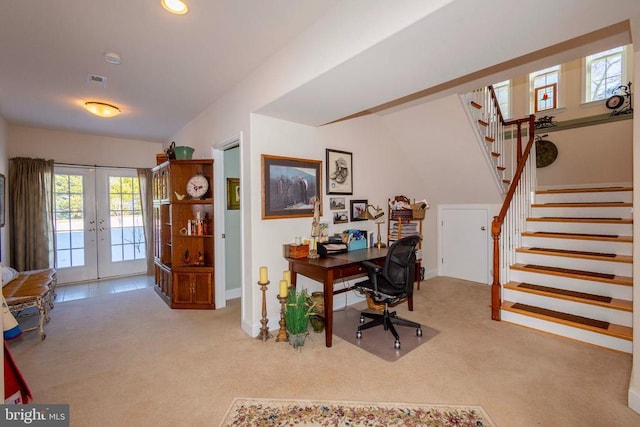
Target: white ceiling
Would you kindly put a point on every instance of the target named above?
(172, 68)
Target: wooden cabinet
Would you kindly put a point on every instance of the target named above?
(183, 242)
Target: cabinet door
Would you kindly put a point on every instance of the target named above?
(201, 288)
(192, 288)
(182, 288)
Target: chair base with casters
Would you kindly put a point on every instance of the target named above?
(390, 285)
(387, 320)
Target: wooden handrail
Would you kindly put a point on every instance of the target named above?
(496, 224)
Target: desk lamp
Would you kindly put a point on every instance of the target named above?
(378, 217)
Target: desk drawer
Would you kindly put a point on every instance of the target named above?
(354, 270)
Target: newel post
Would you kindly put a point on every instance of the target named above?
(496, 289)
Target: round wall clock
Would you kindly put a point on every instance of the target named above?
(614, 102)
(197, 186)
(546, 153)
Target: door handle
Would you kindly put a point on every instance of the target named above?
(483, 228)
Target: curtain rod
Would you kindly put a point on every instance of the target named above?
(95, 166)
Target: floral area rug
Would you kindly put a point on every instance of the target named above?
(266, 412)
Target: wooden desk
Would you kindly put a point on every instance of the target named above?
(328, 269)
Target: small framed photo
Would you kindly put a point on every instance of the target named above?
(337, 203)
(233, 193)
(290, 187)
(340, 217)
(358, 210)
(339, 172)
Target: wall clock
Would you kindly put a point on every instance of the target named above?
(546, 152)
(197, 186)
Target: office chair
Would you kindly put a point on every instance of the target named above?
(390, 285)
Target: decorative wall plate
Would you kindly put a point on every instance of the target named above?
(546, 153)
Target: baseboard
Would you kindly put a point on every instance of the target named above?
(232, 293)
(634, 399)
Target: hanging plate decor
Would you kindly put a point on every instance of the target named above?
(546, 153)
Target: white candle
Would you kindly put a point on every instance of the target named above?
(263, 275)
(284, 288)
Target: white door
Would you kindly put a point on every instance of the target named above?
(98, 220)
(464, 243)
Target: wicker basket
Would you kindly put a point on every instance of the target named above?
(372, 305)
(418, 210)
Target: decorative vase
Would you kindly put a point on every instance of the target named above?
(317, 323)
(297, 340)
(316, 300)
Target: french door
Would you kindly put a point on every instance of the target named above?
(98, 223)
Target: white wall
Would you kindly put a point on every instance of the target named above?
(4, 168)
(80, 148)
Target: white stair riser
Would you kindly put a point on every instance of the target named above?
(619, 248)
(605, 267)
(582, 212)
(568, 331)
(590, 311)
(606, 196)
(581, 227)
(588, 286)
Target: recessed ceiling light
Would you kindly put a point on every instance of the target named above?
(102, 109)
(178, 7)
(112, 58)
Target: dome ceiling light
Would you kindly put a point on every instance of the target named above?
(177, 7)
(102, 109)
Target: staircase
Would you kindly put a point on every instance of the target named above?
(572, 272)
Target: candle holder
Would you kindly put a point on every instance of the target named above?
(283, 335)
(264, 334)
(313, 253)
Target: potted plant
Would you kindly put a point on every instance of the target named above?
(296, 317)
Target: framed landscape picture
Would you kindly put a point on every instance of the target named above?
(339, 172)
(233, 193)
(290, 186)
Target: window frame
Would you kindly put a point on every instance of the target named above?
(533, 90)
(586, 73)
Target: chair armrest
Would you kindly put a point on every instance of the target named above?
(371, 267)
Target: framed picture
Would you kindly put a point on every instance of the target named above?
(1, 200)
(337, 203)
(233, 193)
(339, 172)
(340, 217)
(358, 210)
(290, 186)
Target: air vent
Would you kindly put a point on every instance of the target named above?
(95, 80)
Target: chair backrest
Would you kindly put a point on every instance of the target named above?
(399, 266)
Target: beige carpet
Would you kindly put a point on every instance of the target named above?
(277, 413)
(376, 340)
(128, 360)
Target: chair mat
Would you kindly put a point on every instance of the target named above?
(376, 340)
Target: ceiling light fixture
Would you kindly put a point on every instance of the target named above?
(112, 58)
(177, 7)
(102, 109)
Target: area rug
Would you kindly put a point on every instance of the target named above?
(376, 340)
(265, 412)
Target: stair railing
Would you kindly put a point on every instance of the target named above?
(508, 225)
(484, 113)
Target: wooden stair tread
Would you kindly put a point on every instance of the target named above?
(583, 205)
(579, 236)
(577, 274)
(581, 220)
(618, 331)
(584, 190)
(489, 139)
(578, 254)
(501, 168)
(581, 297)
(483, 123)
(476, 105)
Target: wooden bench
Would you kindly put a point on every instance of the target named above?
(32, 289)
